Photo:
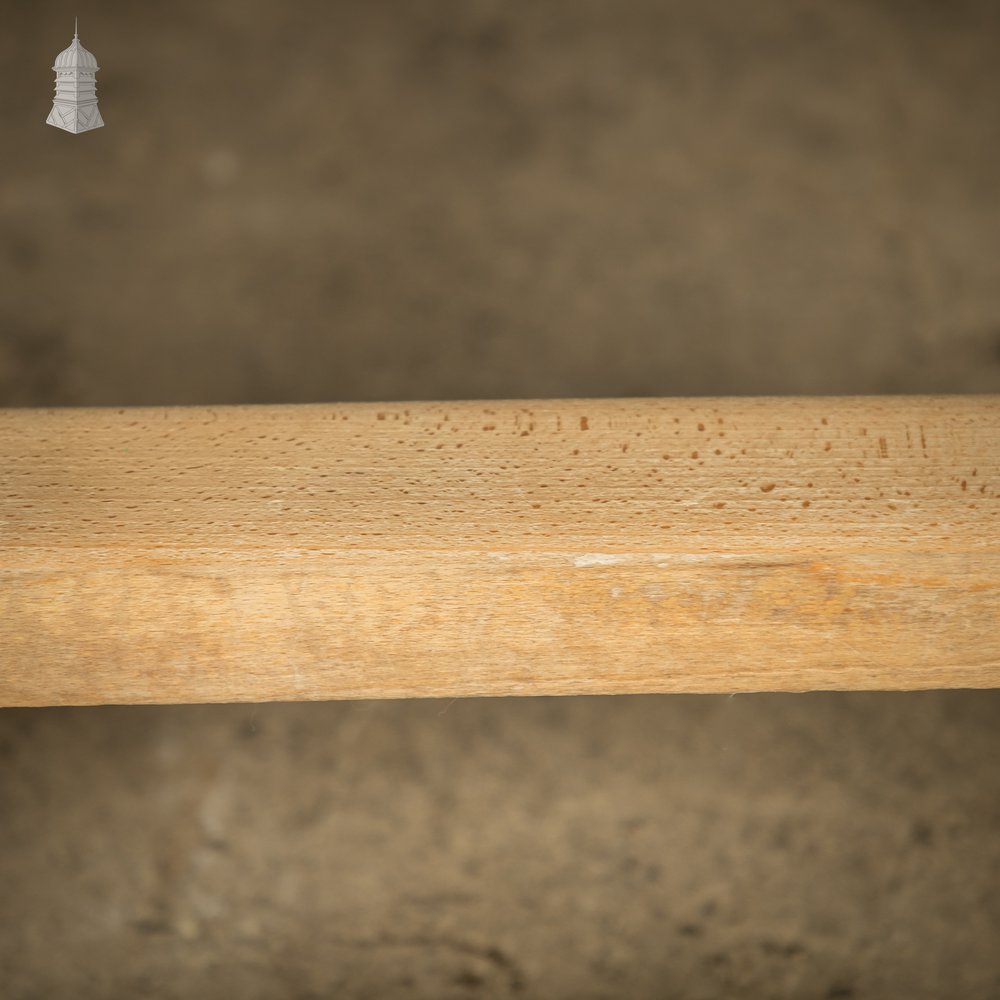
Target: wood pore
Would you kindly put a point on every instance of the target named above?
(254, 553)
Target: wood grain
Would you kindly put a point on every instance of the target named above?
(257, 553)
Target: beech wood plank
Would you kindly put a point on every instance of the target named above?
(255, 553)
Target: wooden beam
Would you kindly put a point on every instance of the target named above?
(255, 553)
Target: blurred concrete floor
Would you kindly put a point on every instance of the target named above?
(400, 200)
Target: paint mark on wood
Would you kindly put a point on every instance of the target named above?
(598, 559)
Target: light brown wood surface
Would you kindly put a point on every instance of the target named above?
(194, 554)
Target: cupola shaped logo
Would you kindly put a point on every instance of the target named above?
(75, 106)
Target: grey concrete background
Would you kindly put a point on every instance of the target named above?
(403, 200)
